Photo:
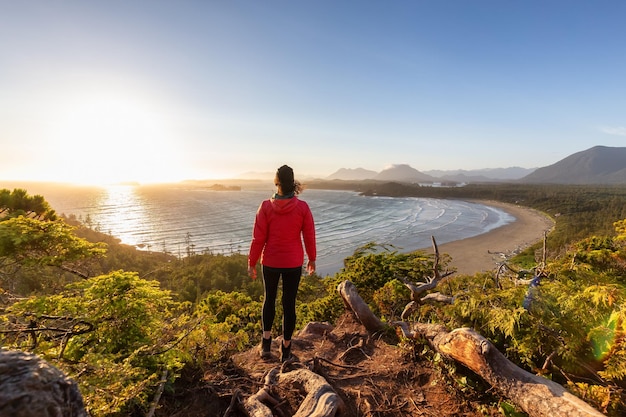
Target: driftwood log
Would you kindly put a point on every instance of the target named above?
(537, 396)
(320, 399)
(31, 387)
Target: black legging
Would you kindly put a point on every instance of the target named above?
(291, 281)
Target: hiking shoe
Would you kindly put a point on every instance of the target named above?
(266, 346)
(285, 352)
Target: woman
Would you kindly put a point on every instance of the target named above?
(281, 224)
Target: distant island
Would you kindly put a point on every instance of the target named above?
(222, 187)
(206, 185)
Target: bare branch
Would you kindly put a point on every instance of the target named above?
(417, 289)
(437, 297)
(409, 309)
(157, 395)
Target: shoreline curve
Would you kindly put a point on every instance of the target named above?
(486, 251)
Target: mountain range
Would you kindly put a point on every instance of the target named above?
(597, 165)
(405, 173)
(399, 172)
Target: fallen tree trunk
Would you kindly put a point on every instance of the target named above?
(537, 396)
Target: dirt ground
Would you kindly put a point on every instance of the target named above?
(371, 376)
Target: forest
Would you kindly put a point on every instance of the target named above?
(143, 332)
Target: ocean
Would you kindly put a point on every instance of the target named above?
(177, 217)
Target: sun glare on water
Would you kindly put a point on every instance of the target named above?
(107, 138)
(129, 216)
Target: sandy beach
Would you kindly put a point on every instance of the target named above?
(486, 251)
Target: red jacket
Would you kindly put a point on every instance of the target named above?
(280, 227)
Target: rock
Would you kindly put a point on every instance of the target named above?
(31, 387)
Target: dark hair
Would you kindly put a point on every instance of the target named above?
(288, 185)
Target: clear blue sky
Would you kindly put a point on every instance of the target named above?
(97, 91)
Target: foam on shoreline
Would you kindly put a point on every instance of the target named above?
(484, 252)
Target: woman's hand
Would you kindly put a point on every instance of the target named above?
(252, 272)
(310, 267)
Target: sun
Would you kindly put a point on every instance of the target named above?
(108, 137)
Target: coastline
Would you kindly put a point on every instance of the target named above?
(484, 252)
(476, 254)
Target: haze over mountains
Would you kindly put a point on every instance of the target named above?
(405, 173)
(597, 165)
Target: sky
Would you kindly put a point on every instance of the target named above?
(151, 91)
